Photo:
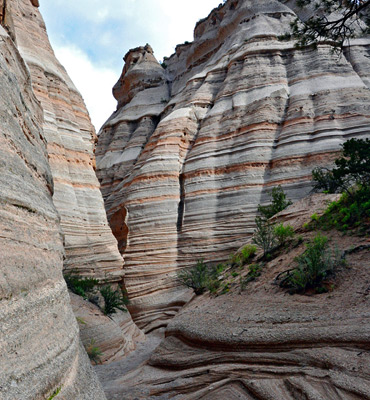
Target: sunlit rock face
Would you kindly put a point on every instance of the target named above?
(40, 349)
(192, 149)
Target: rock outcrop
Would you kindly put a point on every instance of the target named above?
(115, 336)
(40, 350)
(194, 147)
(263, 343)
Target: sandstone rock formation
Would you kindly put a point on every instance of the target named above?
(90, 247)
(264, 343)
(114, 336)
(41, 108)
(192, 149)
(40, 349)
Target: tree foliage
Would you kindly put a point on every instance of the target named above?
(333, 20)
(351, 169)
(114, 299)
(195, 278)
(278, 203)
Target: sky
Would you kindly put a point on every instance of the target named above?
(91, 37)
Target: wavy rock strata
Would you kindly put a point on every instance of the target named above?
(40, 348)
(192, 149)
(263, 343)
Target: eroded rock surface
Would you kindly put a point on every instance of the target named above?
(90, 247)
(263, 343)
(115, 336)
(192, 149)
(40, 349)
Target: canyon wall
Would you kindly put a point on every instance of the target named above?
(52, 218)
(197, 143)
(40, 349)
(90, 247)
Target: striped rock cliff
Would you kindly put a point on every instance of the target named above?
(193, 148)
(40, 350)
(90, 247)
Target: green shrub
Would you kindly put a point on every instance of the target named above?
(264, 236)
(196, 277)
(78, 285)
(247, 252)
(113, 300)
(236, 260)
(313, 266)
(93, 352)
(254, 272)
(225, 288)
(213, 282)
(350, 211)
(283, 233)
(243, 256)
(279, 203)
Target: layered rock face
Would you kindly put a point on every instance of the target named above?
(40, 349)
(90, 247)
(192, 149)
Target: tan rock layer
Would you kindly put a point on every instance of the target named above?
(115, 336)
(183, 163)
(40, 348)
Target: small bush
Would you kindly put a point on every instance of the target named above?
(254, 272)
(196, 278)
(243, 256)
(279, 203)
(264, 236)
(80, 286)
(113, 300)
(214, 272)
(248, 252)
(283, 233)
(313, 266)
(93, 352)
(348, 212)
(55, 393)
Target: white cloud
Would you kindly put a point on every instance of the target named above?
(94, 83)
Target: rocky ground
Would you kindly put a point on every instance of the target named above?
(262, 342)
